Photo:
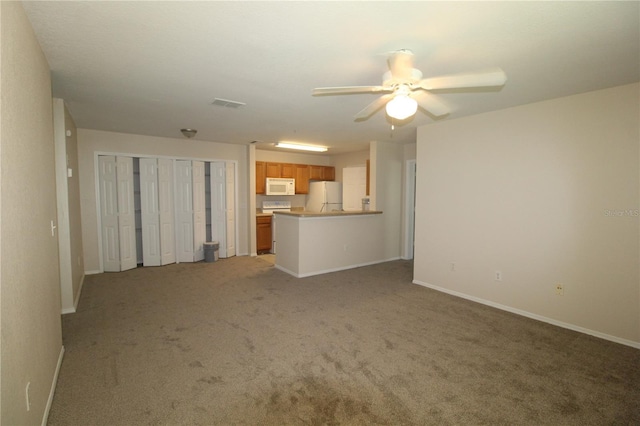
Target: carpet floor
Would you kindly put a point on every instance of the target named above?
(238, 342)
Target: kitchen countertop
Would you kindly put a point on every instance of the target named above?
(325, 214)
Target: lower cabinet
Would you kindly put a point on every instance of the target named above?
(263, 234)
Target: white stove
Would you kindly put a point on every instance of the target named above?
(276, 206)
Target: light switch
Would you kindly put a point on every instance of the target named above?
(69, 172)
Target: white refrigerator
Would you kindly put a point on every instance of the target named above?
(324, 196)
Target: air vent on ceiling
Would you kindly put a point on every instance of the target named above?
(227, 103)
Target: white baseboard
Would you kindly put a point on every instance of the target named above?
(76, 299)
(92, 272)
(327, 271)
(533, 316)
(45, 417)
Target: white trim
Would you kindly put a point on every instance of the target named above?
(45, 416)
(236, 211)
(75, 302)
(94, 272)
(326, 271)
(62, 204)
(96, 182)
(533, 316)
(76, 299)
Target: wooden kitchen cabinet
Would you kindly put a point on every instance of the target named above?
(322, 173)
(316, 172)
(329, 173)
(302, 178)
(368, 179)
(263, 234)
(273, 170)
(261, 176)
(287, 170)
(302, 173)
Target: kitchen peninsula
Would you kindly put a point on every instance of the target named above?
(312, 243)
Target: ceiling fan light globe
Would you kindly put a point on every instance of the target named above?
(401, 107)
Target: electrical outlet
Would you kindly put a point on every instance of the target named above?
(498, 275)
(559, 289)
(26, 394)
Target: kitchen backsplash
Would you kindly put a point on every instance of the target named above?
(298, 200)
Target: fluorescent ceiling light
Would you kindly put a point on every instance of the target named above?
(401, 107)
(302, 147)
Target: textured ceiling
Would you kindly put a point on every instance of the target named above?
(152, 68)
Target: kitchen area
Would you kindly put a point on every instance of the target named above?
(315, 218)
(287, 186)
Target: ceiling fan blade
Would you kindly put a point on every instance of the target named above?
(430, 103)
(492, 77)
(374, 106)
(348, 89)
(401, 64)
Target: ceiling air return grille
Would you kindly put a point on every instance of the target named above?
(227, 103)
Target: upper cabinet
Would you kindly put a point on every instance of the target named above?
(287, 170)
(316, 172)
(261, 177)
(329, 173)
(302, 178)
(322, 173)
(302, 173)
(273, 170)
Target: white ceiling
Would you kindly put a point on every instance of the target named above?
(151, 68)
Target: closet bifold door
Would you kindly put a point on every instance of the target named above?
(150, 212)
(117, 213)
(199, 211)
(230, 203)
(184, 211)
(126, 213)
(165, 205)
(108, 185)
(218, 209)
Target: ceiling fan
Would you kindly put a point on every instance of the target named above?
(406, 89)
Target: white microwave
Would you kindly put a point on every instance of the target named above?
(281, 186)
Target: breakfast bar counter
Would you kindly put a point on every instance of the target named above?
(312, 243)
(302, 213)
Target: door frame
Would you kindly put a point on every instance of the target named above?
(409, 208)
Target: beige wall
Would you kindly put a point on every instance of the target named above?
(68, 196)
(350, 159)
(91, 142)
(546, 193)
(31, 344)
(75, 219)
(406, 240)
(292, 157)
(386, 193)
